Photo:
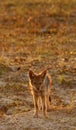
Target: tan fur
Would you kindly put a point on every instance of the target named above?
(40, 86)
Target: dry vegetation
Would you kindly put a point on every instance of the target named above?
(37, 34)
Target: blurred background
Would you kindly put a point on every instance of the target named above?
(37, 34)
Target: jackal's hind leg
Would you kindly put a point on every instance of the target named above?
(48, 102)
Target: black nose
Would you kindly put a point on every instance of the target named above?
(38, 88)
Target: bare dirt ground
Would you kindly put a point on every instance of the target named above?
(37, 34)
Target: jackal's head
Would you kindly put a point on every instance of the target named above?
(37, 79)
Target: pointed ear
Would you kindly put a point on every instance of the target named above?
(31, 74)
(43, 74)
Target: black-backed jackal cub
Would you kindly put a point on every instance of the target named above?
(40, 86)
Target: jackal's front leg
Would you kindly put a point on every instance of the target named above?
(44, 106)
(35, 99)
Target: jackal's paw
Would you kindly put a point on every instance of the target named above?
(35, 115)
(45, 116)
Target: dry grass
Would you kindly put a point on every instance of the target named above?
(37, 34)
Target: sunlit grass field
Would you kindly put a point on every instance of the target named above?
(38, 35)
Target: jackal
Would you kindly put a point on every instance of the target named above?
(40, 86)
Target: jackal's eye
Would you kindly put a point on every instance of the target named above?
(34, 82)
(39, 83)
